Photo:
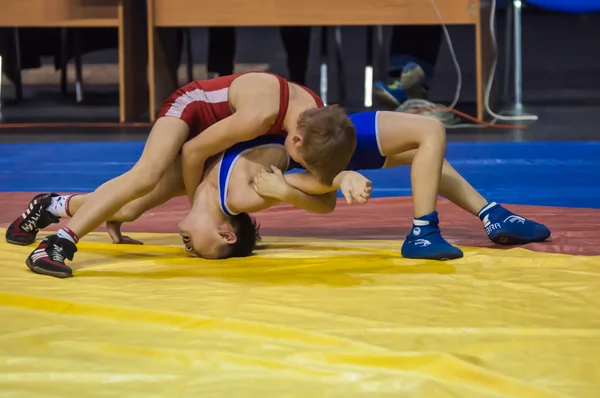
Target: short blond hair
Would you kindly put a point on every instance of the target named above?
(329, 141)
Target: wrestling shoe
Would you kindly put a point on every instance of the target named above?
(24, 229)
(507, 228)
(49, 257)
(409, 86)
(426, 242)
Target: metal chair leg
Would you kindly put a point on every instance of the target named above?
(341, 71)
(517, 4)
(324, 61)
(78, 68)
(18, 82)
(368, 100)
(63, 61)
(508, 52)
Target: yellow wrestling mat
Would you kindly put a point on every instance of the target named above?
(303, 318)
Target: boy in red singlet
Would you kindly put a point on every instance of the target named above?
(201, 120)
(218, 225)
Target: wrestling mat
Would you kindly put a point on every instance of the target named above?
(326, 308)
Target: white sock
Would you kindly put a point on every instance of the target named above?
(487, 207)
(65, 235)
(420, 223)
(58, 206)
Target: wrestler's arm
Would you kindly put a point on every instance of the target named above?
(255, 111)
(306, 182)
(355, 187)
(246, 199)
(320, 204)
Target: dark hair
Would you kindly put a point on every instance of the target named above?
(247, 232)
(329, 141)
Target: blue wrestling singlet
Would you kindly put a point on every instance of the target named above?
(367, 155)
(231, 156)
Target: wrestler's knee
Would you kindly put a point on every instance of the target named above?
(434, 133)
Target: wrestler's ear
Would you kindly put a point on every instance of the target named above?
(229, 237)
(298, 139)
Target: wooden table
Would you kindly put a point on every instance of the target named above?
(203, 13)
(88, 14)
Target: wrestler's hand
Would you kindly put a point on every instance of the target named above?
(114, 230)
(270, 184)
(356, 188)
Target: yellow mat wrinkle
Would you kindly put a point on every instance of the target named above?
(302, 318)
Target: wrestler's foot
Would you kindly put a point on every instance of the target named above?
(24, 229)
(425, 241)
(49, 257)
(409, 86)
(506, 228)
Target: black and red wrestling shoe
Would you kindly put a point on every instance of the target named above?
(49, 257)
(24, 229)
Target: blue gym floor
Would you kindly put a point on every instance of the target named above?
(533, 173)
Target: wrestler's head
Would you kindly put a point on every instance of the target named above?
(210, 238)
(323, 143)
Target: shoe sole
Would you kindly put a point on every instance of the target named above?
(434, 259)
(15, 242)
(42, 271)
(507, 240)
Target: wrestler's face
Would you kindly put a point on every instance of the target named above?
(204, 238)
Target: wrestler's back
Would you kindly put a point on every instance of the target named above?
(202, 103)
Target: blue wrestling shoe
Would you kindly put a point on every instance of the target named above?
(506, 228)
(425, 241)
(409, 86)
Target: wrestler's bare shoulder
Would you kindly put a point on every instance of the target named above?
(257, 93)
(255, 82)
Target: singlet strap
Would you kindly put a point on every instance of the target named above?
(284, 101)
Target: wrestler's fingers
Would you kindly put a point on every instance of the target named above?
(359, 199)
(275, 170)
(347, 196)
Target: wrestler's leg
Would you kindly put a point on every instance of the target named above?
(164, 142)
(452, 185)
(166, 139)
(501, 225)
(170, 186)
(426, 138)
(399, 132)
(61, 206)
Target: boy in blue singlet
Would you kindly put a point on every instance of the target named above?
(390, 139)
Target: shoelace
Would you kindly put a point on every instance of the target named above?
(30, 223)
(58, 254)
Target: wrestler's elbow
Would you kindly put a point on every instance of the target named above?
(329, 201)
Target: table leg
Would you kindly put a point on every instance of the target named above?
(132, 63)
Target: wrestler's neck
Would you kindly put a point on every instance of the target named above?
(299, 102)
(206, 203)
